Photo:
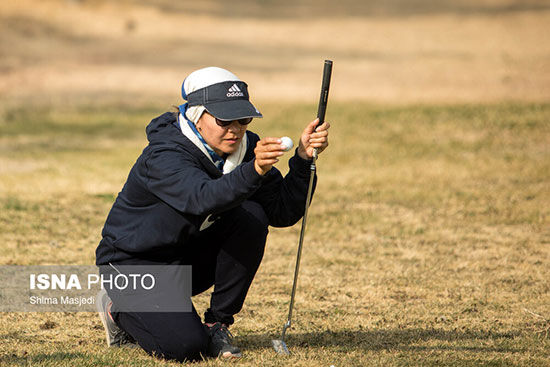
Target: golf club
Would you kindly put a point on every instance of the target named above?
(279, 344)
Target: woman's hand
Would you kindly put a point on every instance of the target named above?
(313, 138)
(267, 151)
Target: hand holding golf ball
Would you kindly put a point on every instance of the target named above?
(268, 151)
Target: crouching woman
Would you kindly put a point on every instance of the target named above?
(202, 193)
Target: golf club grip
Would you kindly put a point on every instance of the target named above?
(327, 73)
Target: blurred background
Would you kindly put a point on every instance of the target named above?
(393, 51)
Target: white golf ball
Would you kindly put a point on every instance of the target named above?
(287, 143)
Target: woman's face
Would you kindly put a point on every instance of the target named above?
(223, 140)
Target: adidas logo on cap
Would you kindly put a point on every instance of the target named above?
(234, 91)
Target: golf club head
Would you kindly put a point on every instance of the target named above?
(280, 346)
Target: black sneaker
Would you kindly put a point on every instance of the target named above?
(220, 341)
(116, 337)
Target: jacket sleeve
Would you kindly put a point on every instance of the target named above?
(284, 199)
(179, 180)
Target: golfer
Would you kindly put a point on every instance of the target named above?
(202, 193)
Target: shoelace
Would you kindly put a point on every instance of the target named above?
(227, 332)
(219, 327)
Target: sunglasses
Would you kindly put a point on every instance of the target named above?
(226, 123)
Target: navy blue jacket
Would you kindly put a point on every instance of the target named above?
(173, 187)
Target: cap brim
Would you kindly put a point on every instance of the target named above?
(232, 110)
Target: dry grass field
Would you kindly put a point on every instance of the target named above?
(429, 235)
(428, 241)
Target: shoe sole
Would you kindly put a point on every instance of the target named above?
(229, 355)
(102, 313)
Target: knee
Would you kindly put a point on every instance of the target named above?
(245, 233)
(255, 219)
(177, 336)
(182, 348)
(250, 224)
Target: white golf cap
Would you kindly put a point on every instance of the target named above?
(221, 92)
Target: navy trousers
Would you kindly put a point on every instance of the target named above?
(226, 255)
